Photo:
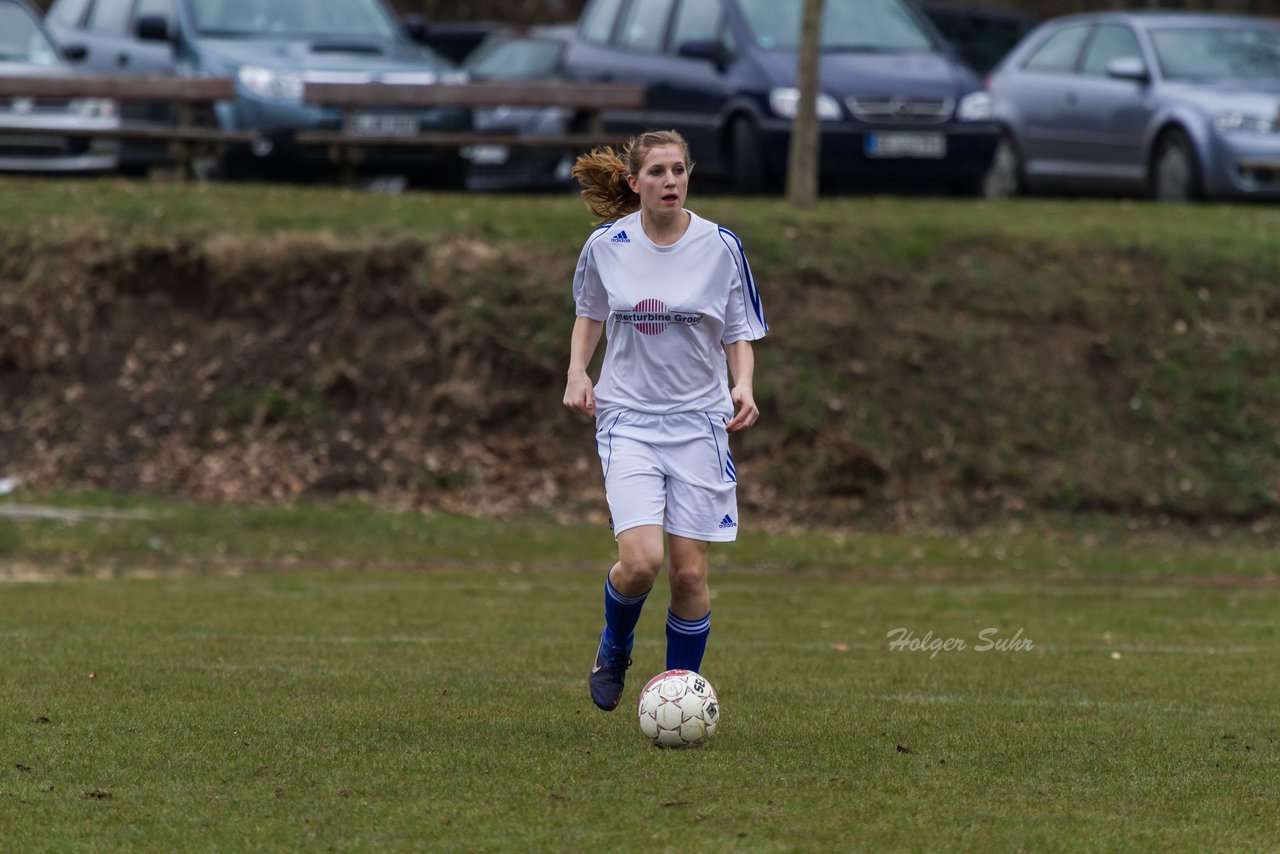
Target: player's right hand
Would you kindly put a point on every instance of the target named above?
(579, 395)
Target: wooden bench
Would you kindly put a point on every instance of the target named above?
(346, 147)
(191, 98)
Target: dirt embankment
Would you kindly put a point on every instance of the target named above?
(279, 367)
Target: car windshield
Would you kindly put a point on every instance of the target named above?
(876, 26)
(293, 18)
(515, 59)
(1218, 53)
(21, 39)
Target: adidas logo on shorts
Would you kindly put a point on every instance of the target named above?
(620, 237)
(727, 522)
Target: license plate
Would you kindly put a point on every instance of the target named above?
(378, 125)
(487, 155)
(924, 146)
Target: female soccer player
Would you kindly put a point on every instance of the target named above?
(678, 300)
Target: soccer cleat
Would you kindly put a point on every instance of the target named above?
(609, 675)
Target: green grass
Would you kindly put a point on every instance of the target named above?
(902, 228)
(199, 537)
(348, 679)
(446, 710)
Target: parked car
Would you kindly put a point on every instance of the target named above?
(1182, 106)
(981, 36)
(272, 48)
(534, 55)
(897, 108)
(29, 138)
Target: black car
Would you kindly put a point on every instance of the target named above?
(897, 107)
(532, 55)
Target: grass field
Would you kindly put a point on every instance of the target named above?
(209, 679)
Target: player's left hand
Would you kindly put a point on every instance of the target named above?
(748, 413)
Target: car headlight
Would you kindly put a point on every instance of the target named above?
(976, 107)
(271, 84)
(785, 102)
(93, 108)
(1244, 123)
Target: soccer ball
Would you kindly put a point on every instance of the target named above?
(679, 708)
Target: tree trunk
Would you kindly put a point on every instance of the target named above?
(802, 161)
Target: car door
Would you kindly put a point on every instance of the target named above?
(639, 57)
(590, 56)
(149, 57)
(1112, 113)
(692, 95)
(106, 28)
(1042, 100)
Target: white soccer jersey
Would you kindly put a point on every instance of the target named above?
(669, 310)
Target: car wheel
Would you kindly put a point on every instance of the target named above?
(1004, 177)
(1175, 175)
(746, 165)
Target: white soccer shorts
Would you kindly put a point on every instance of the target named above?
(670, 470)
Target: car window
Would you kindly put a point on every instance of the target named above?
(110, 16)
(1110, 41)
(1218, 53)
(21, 39)
(696, 20)
(1060, 52)
(847, 25)
(644, 25)
(68, 13)
(597, 21)
(515, 59)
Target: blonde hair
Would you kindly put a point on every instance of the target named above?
(602, 173)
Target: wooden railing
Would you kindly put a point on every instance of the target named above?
(585, 100)
(193, 133)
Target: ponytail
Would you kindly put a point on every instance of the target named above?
(602, 173)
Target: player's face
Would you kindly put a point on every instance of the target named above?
(663, 180)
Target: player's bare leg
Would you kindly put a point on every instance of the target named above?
(639, 560)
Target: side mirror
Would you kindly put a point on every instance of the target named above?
(706, 49)
(75, 52)
(415, 27)
(1128, 68)
(152, 28)
(699, 49)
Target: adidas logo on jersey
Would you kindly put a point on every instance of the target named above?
(727, 522)
(620, 237)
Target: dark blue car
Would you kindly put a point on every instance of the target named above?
(897, 106)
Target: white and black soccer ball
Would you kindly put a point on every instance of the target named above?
(679, 708)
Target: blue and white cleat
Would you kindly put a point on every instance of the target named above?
(609, 674)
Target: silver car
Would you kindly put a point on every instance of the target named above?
(30, 138)
(1181, 106)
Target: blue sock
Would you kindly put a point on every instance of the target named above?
(621, 613)
(686, 641)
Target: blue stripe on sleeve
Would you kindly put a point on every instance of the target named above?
(748, 281)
